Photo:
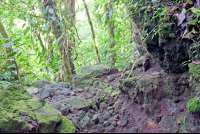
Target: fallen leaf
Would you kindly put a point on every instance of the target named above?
(196, 62)
(126, 72)
(116, 96)
(178, 122)
(179, 18)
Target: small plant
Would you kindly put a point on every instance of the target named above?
(193, 105)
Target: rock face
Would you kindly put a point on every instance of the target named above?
(87, 73)
(164, 46)
(20, 112)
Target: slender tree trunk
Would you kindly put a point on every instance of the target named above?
(93, 34)
(109, 10)
(8, 51)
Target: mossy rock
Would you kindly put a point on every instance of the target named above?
(17, 103)
(88, 72)
(66, 126)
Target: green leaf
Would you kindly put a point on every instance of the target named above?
(51, 11)
(135, 5)
(7, 45)
(22, 59)
(32, 21)
(3, 41)
(194, 21)
(46, 28)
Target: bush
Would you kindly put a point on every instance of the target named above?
(193, 105)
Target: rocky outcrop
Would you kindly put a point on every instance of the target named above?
(20, 112)
(160, 40)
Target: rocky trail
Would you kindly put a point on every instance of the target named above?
(110, 104)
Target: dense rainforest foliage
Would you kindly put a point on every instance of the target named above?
(53, 39)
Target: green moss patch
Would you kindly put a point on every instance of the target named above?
(108, 90)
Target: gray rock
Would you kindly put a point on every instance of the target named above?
(62, 85)
(114, 123)
(81, 114)
(92, 131)
(133, 130)
(47, 92)
(95, 119)
(60, 97)
(76, 121)
(77, 103)
(86, 122)
(118, 104)
(116, 117)
(100, 129)
(65, 92)
(41, 83)
(111, 128)
(56, 105)
(106, 123)
(103, 105)
(101, 119)
(124, 122)
(64, 110)
(89, 114)
(106, 115)
(111, 111)
(111, 78)
(170, 106)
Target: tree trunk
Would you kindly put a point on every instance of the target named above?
(109, 10)
(93, 34)
(8, 51)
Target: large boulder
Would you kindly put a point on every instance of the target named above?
(87, 73)
(20, 112)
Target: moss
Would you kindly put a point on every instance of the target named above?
(103, 85)
(108, 90)
(66, 126)
(193, 105)
(115, 93)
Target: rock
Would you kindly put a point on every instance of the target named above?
(92, 131)
(124, 122)
(41, 83)
(133, 130)
(95, 119)
(170, 106)
(100, 129)
(106, 123)
(81, 114)
(76, 123)
(158, 118)
(101, 119)
(36, 110)
(86, 122)
(118, 104)
(90, 113)
(56, 105)
(114, 123)
(116, 117)
(62, 85)
(77, 103)
(111, 78)
(111, 128)
(47, 92)
(88, 72)
(60, 97)
(106, 115)
(111, 111)
(32, 90)
(103, 105)
(64, 110)
(66, 92)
